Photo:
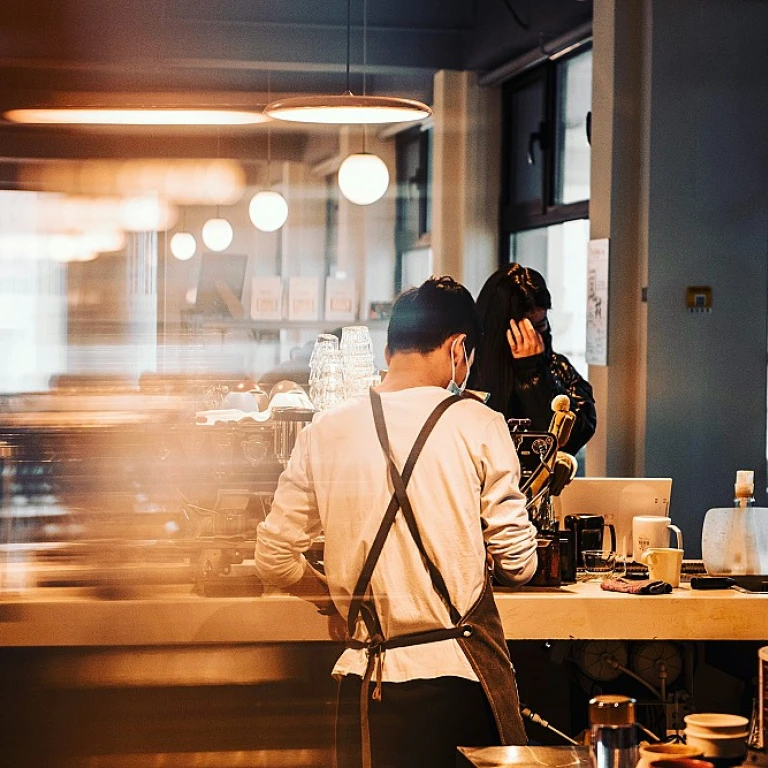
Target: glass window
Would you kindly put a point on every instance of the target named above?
(527, 139)
(572, 159)
(559, 252)
(416, 266)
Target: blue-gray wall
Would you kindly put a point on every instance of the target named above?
(707, 225)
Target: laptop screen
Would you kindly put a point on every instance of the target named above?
(618, 500)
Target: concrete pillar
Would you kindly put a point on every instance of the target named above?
(618, 211)
(465, 179)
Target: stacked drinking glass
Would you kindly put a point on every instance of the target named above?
(357, 360)
(326, 375)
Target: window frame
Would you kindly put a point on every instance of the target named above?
(405, 239)
(516, 216)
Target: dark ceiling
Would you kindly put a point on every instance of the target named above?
(235, 50)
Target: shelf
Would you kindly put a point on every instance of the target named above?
(232, 324)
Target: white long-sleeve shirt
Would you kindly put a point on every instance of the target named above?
(465, 496)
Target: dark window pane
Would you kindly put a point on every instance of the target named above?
(525, 136)
(572, 151)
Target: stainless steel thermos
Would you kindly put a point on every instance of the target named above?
(613, 742)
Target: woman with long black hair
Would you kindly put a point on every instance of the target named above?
(516, 362)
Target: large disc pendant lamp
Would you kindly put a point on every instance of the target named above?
(347, 109)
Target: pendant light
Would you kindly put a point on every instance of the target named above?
(363, 176)
(217, 233)
(347, 109)
(149, 115)
(268, 209)
(183, 243)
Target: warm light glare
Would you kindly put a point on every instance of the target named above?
(217, 234)
(363, 178)
(104, 241)
(348, 110)
(147, 214)
(183, 246)
(145, 116)
(268, 210)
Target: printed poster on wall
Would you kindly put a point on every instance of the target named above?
(597, 302)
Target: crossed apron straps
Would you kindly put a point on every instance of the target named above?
(359, 605)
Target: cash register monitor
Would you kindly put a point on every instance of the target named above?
(618, 500)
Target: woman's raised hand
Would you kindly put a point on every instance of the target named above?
(524, 340)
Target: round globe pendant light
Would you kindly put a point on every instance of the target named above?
(183, 246)
(217, 234)
(363, 178)
(268, 210)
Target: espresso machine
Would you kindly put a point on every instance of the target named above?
(545, 471)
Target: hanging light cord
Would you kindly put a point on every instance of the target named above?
(365, 61)
(269, 132)
(349, 38)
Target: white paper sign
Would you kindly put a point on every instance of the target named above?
(340, 299)
(302, 298)
(597, 302)
(267, 298)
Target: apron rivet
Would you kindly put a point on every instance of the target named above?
(467, 633)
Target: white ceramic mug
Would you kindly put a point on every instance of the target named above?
(664, 564)
(652, 531)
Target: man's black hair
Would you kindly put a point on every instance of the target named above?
(424, 317)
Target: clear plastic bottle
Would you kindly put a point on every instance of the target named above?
(738, 544)
(613, 735)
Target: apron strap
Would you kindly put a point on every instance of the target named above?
(364, 580)
(405, 504)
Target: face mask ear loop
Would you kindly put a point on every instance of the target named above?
(467, 363)
(453, 364)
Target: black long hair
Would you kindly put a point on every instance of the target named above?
(510, 293)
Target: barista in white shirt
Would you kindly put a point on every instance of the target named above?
(412, 520)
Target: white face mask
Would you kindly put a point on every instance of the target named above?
(453, 387)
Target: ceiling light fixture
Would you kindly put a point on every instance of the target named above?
(268, 209)
(183, 246)
(217, 234)
(347, 109)
(363, 177)
(183, 243)
(132, 116)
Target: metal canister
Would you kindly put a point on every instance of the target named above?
(613, 733)
(288, 423)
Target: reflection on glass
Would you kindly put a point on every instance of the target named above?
(559, 252)
(573, 151)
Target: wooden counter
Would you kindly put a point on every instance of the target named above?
(580, 611)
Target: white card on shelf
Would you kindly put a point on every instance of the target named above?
(302, 298)
(340, 299)
(267, 298)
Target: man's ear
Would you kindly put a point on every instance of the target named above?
(387, 355)
(458, 341)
